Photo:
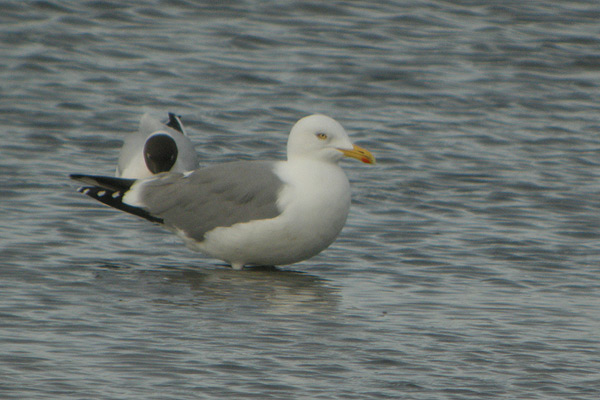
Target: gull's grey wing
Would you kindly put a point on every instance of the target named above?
(217, 196)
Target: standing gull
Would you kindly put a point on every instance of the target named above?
(156, 148)
(250, 212)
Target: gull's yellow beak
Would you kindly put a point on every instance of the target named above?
(360, 154)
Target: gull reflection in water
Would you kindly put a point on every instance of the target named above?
(270, 289)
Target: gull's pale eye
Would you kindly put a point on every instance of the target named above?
(321, 136)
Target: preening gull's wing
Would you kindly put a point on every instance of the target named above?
(212, 197)
(175, 123)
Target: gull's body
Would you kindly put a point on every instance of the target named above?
(250, 212)
(321, 219)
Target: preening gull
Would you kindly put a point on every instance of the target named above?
(250, 212)
(156, 148)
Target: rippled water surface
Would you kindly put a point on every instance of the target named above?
(468, 268)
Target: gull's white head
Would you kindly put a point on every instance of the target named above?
(323, 138)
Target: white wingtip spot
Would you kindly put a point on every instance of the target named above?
(84, 190)
(116, 194)
(101, 193)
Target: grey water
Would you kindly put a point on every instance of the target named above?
(468, 268)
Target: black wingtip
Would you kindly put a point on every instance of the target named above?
(106, 182)
(175, 123)
(114, 198)
(110, 191)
